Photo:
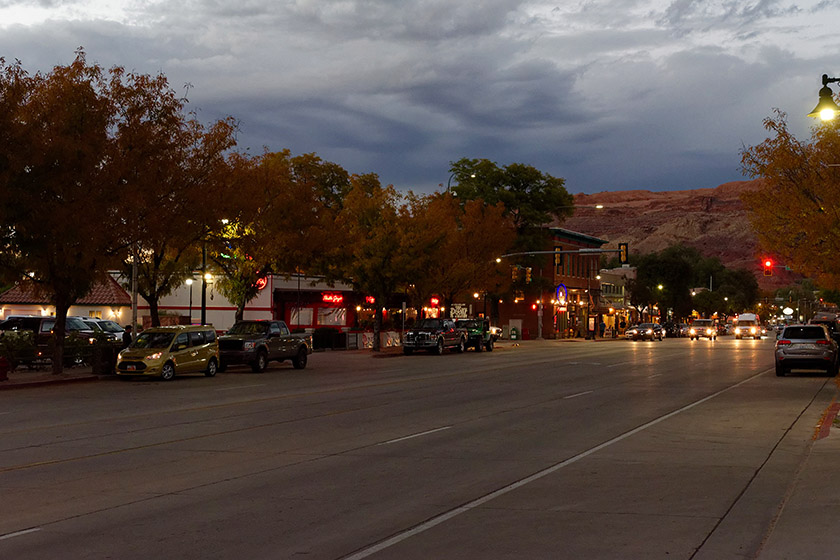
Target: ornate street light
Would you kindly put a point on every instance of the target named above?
(826, 108)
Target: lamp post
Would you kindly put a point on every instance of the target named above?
(190, 283)
(826, 108)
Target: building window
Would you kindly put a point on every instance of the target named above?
(301, 316)
(332, 316)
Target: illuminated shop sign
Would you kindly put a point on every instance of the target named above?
(370, 299)
(332, 298)
(261, 283)
(435, 301)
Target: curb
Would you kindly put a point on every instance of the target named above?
(8, 386)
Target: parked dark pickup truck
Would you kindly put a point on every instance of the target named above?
(434, 335)
(258, 342)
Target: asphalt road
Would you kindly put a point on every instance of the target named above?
(616, 449)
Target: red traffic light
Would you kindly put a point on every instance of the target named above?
(768, 267)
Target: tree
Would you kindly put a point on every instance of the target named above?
(58, 187)
(373, 256)
(532, 199)
(169, 163)
(282, 217)
(796, 211)
(468, 237)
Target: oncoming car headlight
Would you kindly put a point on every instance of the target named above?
(709, 331)
(155, 356)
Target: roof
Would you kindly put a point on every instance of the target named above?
(107, 292)
(570, 235)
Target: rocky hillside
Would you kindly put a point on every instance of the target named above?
(712, 220)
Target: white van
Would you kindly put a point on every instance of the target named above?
(747, 325)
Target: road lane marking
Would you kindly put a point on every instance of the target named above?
(415, 435)
(654, 375)
(446, 516)
(19, 533)
(578, 395)
(240, 387)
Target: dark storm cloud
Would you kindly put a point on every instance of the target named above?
(607, 93)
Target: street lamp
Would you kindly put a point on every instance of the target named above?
(826, 108)
(449, 181)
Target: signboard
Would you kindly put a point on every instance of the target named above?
(459, 311)
(332, 298)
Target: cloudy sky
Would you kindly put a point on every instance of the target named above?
(608, 94)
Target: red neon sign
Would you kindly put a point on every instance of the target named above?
(370, 299)
(435, 301)
(332, 298)
(261, 283)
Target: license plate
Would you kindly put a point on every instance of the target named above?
(130, 367)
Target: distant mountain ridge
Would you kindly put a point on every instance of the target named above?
(713, 220)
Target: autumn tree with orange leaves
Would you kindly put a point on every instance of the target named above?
(92, 163)
(796, 211)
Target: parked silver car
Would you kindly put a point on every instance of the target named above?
(806, 347)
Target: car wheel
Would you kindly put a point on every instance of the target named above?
(490, 345)
(439, 347)
(462, 346)
(408, 351)
(299, 361)
(168, 371)
(212, 367)
(780, 370)
(259, 364)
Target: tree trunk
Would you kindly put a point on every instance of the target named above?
(154, 312)
(377, 326)
(62, 304)
(240, 311)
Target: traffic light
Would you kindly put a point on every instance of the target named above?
(528, 275)
(622, 253)
(768, 267)
(514, 273)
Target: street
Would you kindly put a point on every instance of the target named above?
(548, 449)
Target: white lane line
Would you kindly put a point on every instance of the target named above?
(654, 375)
(4, 413)
(240, 387)
(433, 522)
(578, 395)
(619, 364)
(19, 533)
(415, 435)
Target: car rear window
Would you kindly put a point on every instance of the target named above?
(804, 333)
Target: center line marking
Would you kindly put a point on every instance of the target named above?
(577, 395)
(19, 533)
(415, 435)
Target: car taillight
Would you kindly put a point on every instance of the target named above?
(823, 342)
(782, 342)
